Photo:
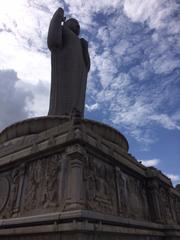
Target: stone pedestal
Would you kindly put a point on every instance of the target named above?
(65, 179)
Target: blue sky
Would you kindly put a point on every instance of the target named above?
(134, 82)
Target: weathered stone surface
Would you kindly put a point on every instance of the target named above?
(4, 186)
(82, 165)
(90, 225)
(85, 236)
(70, 64)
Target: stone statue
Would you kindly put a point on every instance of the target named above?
(70, 64)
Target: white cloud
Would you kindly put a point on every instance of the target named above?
(106, 67)
(136, 111)
(23, 33)
(85, 10)
(150, 163)
(174, 178)
(120, 48)
(166, 121)
(133, 106)
(92, 107)
(29, 64)
(103, 35)
(13, 99)
(165, 65)
(23, 48)
(38, 106)
(176, 116)
(154, 12)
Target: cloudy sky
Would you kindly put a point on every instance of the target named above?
(134, 82)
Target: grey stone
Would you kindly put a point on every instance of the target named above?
(70, 64)
(178, 188)
(72, 183)
(4, 186)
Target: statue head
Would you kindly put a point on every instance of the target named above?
(73, 24)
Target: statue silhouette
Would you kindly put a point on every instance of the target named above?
(70, 64)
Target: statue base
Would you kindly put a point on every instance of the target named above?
(63, 178)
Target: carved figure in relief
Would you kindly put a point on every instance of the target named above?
(91, 186)
(165, 206)
(4, 194)
(100, 186)
(34, 179)
(90, 180)
(122, 192)
(178, 209)
(143, 197)
(172, 200)
(15, 187)
(153, 200)
(134, 206)
(50, 196)
(17, 179)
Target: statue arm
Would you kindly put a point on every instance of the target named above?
(55, 30)
(87, 61)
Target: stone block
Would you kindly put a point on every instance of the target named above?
(76, 180)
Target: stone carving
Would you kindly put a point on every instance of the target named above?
(165, 206)
(177, 207)
(121, 182)
(50, 195)
(153, 200)
(119, 193)
(76, 148)
(172, 199)
(42, 183)
(34, 182)
(90, 180)
(177, 188)
(135, 209)
(100, 186)
(4, 192)
(62, 180)
(16, 179)
(144, 200)
(17, 184)
(70, 64)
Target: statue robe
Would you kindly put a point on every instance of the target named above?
(70, 64)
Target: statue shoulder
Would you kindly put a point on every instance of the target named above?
(84, 45)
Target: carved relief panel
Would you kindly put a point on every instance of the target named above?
(165, 206)
(17, 181)
(51, 182)
(41, 187)
(121, 189)
(34, 187)
(4, 194)
(131, 195)
(100, 186)
(137, 198)
(11, 185)
(177, 207)
(172, 199)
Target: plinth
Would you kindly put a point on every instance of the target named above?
(63, 178)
